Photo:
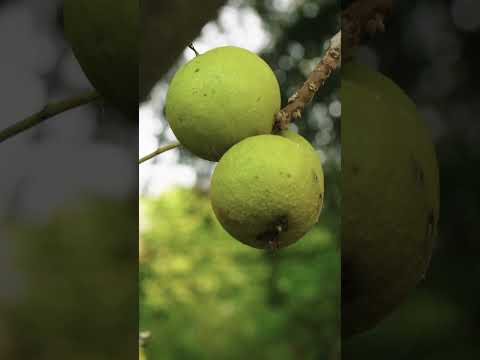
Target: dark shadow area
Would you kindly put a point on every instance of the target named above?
(68, 203)
(429, 51)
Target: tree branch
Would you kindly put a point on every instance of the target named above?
(297, 102)
(50, 110)
(363, 17)
(360, 18)
(160, 150)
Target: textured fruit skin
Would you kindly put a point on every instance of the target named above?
(390, 191)
(312, 154)
(267, 181)
(104, 38)
(221, 97)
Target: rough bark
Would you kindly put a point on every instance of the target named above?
(363, 17)
(297, 102)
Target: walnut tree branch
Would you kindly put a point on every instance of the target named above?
(363, 17)
(50, 110)
(297, 102)
(360, 18)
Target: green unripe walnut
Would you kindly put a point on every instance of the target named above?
(267, 190)
(104, 38)
(312, 154)
(390, 197)
(219, 98)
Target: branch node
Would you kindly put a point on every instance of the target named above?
(297, 114)
(335, 54)
(380, 22)
(362, 18)
(293, 98)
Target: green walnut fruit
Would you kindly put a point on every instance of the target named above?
(312, 154)
(221, 97)
(390, 197)
(267, 190)
(104, 38)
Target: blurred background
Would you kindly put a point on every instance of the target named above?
(68, 203)
(429, 49)
(68, 209)
(204, 295)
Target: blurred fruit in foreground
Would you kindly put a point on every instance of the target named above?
(390, 197)
(104, 38)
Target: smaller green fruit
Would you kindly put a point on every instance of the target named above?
(219, 98)
(267, 190)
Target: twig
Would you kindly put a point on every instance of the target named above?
(160, 150)
(193, 48)
(296, 103)
(50, 110)
(363, 17)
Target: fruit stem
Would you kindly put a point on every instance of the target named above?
(193, 48)
(49, 111)
(273, 245)
(160, 150)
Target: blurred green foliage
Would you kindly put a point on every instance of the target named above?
(204, 295)
(440, 320)
(73, 291)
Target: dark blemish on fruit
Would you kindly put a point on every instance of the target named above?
(431, 222)
(429, 232)
(204, 94)
(197, 70)
(418, 173)
(280, 224)
(259, 98)
(289, 175)
(256, 177)
(320, 202)
(314, 176)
